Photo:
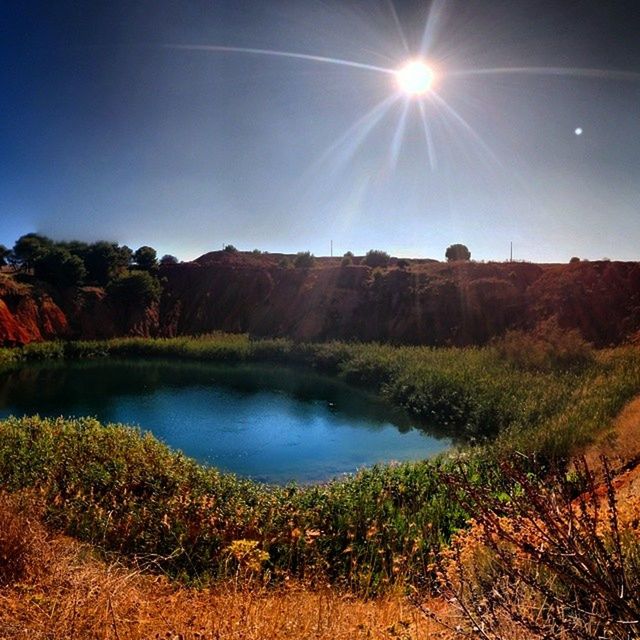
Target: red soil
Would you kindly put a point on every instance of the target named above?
(425, 302)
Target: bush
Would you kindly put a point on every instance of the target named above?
(377, 258)
(304, 260)
(574, 260)
(138, 288)
(547, 347)
(545, 558)
(229, 248)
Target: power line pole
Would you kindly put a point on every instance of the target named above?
(511, 254)
(332, 248)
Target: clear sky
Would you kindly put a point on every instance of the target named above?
(111, 129)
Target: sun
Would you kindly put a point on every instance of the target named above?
(415, 78)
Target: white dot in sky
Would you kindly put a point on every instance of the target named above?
(578, 131)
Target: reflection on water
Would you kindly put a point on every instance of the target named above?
(270, 423)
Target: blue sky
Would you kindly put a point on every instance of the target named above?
(108, 133)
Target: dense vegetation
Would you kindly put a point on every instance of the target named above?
(125, 491)
(76, 263)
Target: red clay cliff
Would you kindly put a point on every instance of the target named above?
(418, 302)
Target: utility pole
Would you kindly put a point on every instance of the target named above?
(332, 248)
(511, 254)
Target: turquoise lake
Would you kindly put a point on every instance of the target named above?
(269, 423)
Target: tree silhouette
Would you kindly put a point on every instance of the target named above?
(457, 252)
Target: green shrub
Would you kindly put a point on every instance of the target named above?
(377, 258)
(549, 346)
(136, 288)
(304, 260)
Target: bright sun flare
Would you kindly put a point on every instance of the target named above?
(415, 78)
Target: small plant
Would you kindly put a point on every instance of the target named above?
(377, 258)
(19, 541)
(304, 260)
(246, 556)
(229, 248)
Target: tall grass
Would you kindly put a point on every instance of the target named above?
(61, 591)
(127, 492)
(471, 394)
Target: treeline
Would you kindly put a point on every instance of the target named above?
(126, 274)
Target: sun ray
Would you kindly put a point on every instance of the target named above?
(396, 19)
(398, 136)
(355, 135)
(600, 74)
(431, 150)
(280, 54)
(467, 127)
(431, 26)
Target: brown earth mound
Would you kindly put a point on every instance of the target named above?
(411, 302)
(424, 302)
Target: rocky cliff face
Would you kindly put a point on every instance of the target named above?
(425, 302)
(28, 314)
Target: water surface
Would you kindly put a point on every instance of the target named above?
(269, 423)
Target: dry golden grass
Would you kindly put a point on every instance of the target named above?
(62, 590)
(621, 442)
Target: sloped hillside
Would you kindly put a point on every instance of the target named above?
(409, 302)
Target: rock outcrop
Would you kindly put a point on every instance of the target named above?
(28, 314)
